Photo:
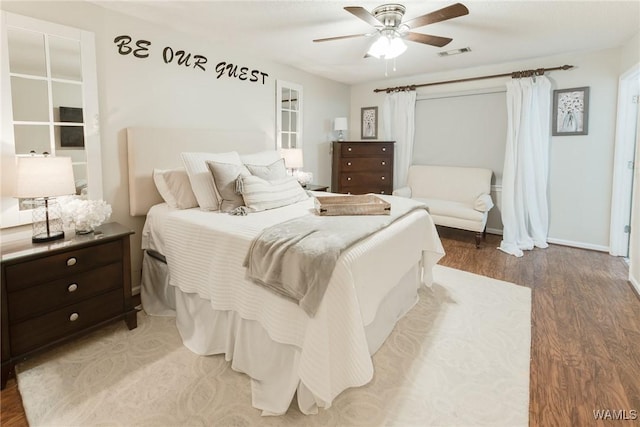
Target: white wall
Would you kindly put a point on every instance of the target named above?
(149, 92)
(580, 166)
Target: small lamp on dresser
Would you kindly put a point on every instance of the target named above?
(43, 179)
(340, 125)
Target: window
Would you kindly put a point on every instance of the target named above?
(288, 115)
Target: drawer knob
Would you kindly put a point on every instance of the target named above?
(382, 192)
(384, 163)
(71, 261)
(384, 148)
(349, 149)
(348, 178)
(74, 317)
(348, 163)
(72, 287)
(382, 178)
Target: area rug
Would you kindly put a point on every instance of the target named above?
(459, 357)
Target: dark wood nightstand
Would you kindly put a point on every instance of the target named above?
(54, 292)
(315, 187)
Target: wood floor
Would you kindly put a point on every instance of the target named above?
(585, 349)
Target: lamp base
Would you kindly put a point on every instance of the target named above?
(340, 136)
(44, 237)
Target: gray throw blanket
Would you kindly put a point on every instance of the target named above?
(296, 258)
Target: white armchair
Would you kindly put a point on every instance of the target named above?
(457, 197)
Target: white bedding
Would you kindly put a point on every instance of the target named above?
(205, 251)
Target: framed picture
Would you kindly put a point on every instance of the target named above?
(570, 111)
(369, 123)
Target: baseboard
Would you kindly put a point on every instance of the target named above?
(636, 284)
(562, 242)
(580, 245)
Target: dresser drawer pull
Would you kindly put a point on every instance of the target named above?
(349, 149)
(382, 178)
(72, 287)
(73, 317)
(384, 163)
(71, 261)
(348, 163)
(382, 192)
(384, 148)
(348, 178)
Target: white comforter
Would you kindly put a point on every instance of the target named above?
(205, 251)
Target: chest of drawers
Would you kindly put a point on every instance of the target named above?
(362, 167)
(52, 293)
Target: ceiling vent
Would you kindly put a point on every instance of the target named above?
(455, 51)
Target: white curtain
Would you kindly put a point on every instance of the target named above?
(525, 211)
(398, 115)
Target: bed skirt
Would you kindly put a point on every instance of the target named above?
(272, 366)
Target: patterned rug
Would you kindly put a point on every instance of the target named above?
(460, 357)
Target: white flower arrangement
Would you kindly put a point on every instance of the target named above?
(84, 214)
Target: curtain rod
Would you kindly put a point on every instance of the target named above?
(514, 74)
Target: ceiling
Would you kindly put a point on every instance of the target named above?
(496, 31)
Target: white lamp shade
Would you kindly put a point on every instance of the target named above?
(44, 177)
(340, 123)
(292, 157)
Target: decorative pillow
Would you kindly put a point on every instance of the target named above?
(175, 188)
(261, 158)
(227, 179)
(275, 170)
(200, 176)
(260, 195)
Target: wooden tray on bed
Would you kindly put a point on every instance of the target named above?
(366, 204)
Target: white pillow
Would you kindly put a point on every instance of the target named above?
(260, 195)
(261, 158)
(226, 177)
(201, 179)
(275, 170)
(175, 188)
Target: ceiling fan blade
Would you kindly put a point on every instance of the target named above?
(363, 14)
(449, 12)
(328, 39)
(428, 39)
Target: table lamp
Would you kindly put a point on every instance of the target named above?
(292, 158)
(43, 179)
(340, 124)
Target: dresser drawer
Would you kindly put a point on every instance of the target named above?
(366, 149)
(58, 293)
(366, 189)
(46, 269)
(31, 334)
(367, 164)
(377, 179)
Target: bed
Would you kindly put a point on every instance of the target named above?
(193, 270)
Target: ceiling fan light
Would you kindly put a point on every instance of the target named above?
(379, 48)
(395, 48)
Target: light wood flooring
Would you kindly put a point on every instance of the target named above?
(585, 349)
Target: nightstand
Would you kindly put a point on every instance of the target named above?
(314, 187)
(54, 292)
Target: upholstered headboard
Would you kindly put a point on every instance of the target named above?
(150, 148)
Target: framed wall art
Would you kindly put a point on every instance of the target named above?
(369, 123)
(570, 111)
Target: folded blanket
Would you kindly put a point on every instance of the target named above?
(296, 258)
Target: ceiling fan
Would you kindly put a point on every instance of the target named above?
(387, 20)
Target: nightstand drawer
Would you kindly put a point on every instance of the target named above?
(29, 335)
(365, 164)
(366, 149)
(366, 189)
(46, 269)
(53, 295)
